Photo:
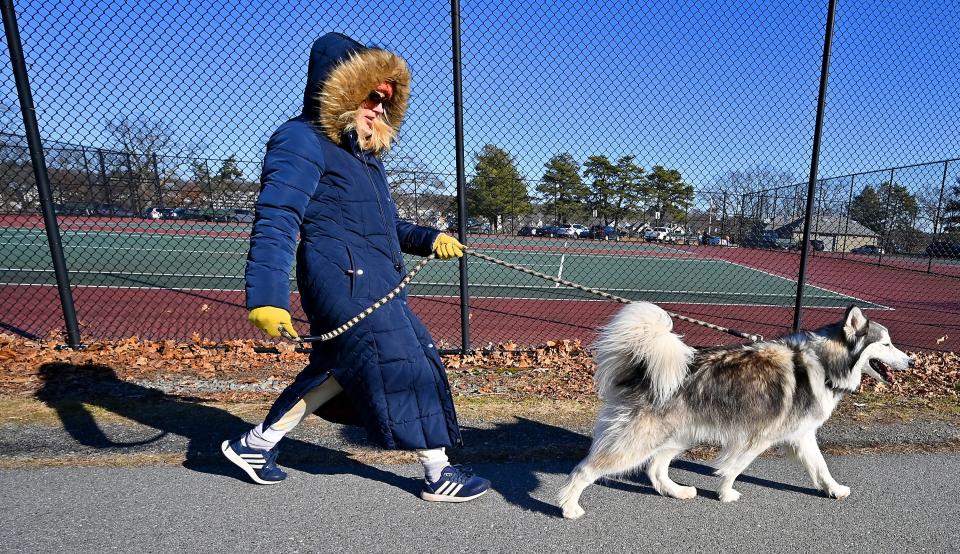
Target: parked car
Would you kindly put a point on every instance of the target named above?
(243, 216)
(475, 226)
(553, 231)
(528, 231)
(582, 231)
(768, 240)
(604, 232)
(91, 208)
(707, 239)
(572, 230)
(943, 249)
(190, 214)
(217, 215)
(156, 212)
(679, 236)
(868, 249)
(816, 244)
(656, 234)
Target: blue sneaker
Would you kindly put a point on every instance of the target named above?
(456, 484)
(260, 465)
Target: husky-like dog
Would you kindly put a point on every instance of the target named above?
(661, 397)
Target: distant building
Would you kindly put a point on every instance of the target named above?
(839, 233)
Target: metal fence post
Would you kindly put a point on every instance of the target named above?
(86, 171)
(936, 215)
(846, 223)
(886, 221)
(156, 181)
(209, 184)
(814, 161)
(461, 174)
(723, 215)
(104, 179)
(40, 171)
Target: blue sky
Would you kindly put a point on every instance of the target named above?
(706, 87)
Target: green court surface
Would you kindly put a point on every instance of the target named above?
(638, 271)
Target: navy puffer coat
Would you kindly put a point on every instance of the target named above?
(319, 185)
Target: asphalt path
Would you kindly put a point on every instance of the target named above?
(900, 502)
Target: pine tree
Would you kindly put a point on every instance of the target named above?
(951, 212)
(496, 190)
(867, 210)
(631, 188)
(603, 179)
(563, 191)
(668, 193)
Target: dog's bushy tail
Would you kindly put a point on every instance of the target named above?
(637, 352)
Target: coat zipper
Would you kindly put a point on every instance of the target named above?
(383, 217)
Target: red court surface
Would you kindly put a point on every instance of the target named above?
(916, 322)
(921, 309)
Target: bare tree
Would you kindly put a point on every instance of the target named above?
(153, 158)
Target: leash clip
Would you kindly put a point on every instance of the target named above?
(286, 334)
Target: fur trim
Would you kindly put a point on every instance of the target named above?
(350, 82)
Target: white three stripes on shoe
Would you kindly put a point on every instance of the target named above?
(449, 489)
(256, 461)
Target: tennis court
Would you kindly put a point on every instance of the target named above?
(207, 262)
(163, 279)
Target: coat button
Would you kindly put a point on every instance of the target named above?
(359, 272)
(397, 266)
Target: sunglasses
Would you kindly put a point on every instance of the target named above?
(374, 98)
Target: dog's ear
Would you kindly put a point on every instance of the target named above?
(854, 323)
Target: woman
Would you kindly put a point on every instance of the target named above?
(323, 181)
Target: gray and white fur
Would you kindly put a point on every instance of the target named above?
(661, 397)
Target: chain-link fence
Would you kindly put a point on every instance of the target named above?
(655, 151)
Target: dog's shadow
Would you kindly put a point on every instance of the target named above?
(638, 482)
(515, 454)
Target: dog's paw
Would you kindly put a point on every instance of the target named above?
(573, 511)
(729, 495)
(838, 491)
(685, 493)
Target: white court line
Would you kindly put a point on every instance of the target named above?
(659, 303)
(130, 273)
(625, 253)
(424, 284)
(84, 247)
(621, 290)
(560, 271)
(445, 296)
(714, 260)
(805, 284)
(159, 235)
(128, 287)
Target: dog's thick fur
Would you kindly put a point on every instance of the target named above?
(662, 397)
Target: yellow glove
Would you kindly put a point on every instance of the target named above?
(270, 319)
(446, 247)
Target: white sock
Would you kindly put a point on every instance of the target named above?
(266, 439)
(433, 461)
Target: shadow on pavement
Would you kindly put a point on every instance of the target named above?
(69, 389)
(530, 447)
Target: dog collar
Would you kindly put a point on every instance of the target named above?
(837, 390)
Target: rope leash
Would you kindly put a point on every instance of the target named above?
(359, 317)
(613, 297)
(406, 280)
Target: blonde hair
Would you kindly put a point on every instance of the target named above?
(381, 137)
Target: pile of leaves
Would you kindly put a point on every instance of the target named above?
(561, 369)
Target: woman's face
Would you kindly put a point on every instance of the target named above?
(372, 108)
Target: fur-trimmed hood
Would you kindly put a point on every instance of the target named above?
(341, 74)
